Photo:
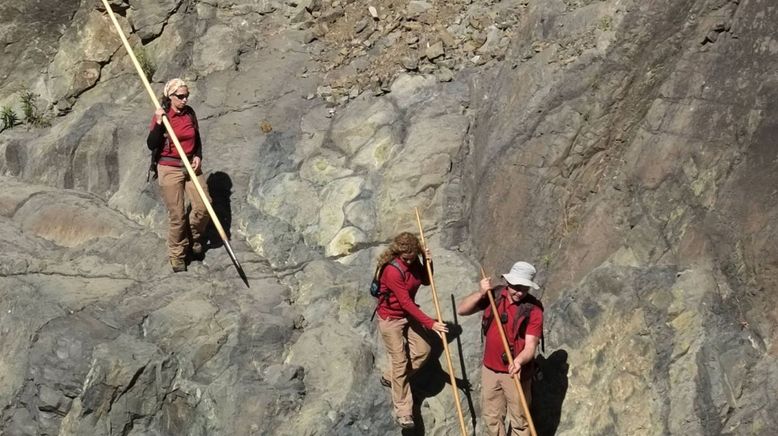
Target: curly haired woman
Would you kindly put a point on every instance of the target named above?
(401, 321)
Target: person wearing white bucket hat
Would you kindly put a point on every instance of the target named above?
(521, 316)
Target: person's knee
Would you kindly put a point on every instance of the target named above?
(422, 349)
(176, 219)
(493, 420)
(399, 364)
(422, 352)
(398, 358)
(492, 414)
(198, 216)
(197, 204)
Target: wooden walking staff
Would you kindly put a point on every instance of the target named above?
(177, 144)
(442, 335)
(507, 349)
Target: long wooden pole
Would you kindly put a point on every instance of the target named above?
(177, 144)
(442, 335)
(507, 348)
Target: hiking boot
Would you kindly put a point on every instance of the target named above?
(178, 265)
(197, 249)
(405, 421)
(385, 383)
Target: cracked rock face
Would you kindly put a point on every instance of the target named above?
(624, 148)
(642, 150)
(115, 344)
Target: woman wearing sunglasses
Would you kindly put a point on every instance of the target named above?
(401, 322)
(174, 182)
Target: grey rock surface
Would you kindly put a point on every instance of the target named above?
(639, 149)
(622, 147)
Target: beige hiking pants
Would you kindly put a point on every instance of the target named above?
(498, 393)
(173, 182)
(403, 362)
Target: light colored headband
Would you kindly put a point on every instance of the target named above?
(172, 85)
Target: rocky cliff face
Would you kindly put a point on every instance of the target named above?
(636, 137)
(622, 147)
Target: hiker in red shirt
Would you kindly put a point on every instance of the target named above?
(400, 320)
(521, 316)
(173, 178)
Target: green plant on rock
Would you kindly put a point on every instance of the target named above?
(9, 117)
(606, 23)
(546, 260)
(27, 99)
(32, 116)
(145, 62)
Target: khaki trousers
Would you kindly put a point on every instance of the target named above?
(498, 393)
(173, 182)
(403, 362)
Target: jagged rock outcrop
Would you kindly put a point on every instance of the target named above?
(622, 147)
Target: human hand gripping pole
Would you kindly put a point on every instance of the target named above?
(507, 348)
(442, 334)
(172, 135)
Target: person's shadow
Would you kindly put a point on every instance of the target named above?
(548, 392)
(431, 380)
(220, 190)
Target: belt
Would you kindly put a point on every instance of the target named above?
(174, 160)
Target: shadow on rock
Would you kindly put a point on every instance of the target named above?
(220, 190)
(548, 392)
(431, 380)
(455, 330)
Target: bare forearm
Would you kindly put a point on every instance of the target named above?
(470, 304)
(473, 302)
(528, 353)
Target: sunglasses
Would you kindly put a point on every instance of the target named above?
(180, 96)
(519, 288)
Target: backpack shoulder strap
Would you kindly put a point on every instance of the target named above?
(383, 296)
(380, 270)
(396, 265)
(523, 313)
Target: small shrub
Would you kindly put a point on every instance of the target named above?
(9, 117)
(546, 260)
(29, 108)
(145, 62)
(32, 116)
(606, 23)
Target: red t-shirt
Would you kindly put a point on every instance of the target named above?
(185, 131)
(493, 348)
(402, 293)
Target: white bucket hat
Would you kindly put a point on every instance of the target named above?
(521, 273)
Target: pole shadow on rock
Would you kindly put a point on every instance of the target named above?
(466, 385)
(431, 379)
(220, 190)
(548, 392)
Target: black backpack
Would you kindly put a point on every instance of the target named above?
(375, 285)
